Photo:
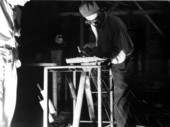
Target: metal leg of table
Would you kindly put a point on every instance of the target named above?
(78, 106)
(99, 97)
(74, 83)
(45, 111)
(55, 91)
(89, 98)
(111, 99)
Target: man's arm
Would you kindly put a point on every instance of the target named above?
(120, 58)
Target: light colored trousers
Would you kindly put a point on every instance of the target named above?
(8, 87)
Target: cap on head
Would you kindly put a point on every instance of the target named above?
(88, 9)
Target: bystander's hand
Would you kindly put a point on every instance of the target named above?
(18, 63)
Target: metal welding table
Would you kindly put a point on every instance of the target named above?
(77, 104)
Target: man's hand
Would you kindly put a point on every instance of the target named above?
(107, 64)
(90, 45)
(18, 63)
(17, 33)
(87, 52)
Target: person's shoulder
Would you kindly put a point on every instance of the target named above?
(113, 17)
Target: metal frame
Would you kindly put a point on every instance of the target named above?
(78, 103)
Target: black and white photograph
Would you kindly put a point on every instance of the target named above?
(84, 63)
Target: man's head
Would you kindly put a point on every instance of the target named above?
(91, 11)
(17, 2)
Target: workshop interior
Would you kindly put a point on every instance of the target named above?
(45, 21)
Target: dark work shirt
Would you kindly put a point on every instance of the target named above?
(112, 38)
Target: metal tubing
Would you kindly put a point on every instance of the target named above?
(54, 91)
(99, 97)
(77, 104)
(89, 99)
(111, 99)
(45, 111)
(74, 83)
(78, 107)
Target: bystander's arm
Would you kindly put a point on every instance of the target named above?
(3, 37)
